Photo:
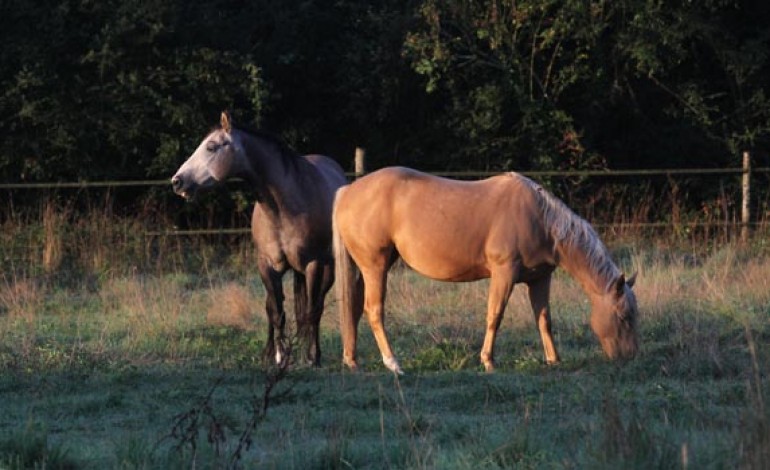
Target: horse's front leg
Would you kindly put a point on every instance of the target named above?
(500, 287)
(539, 292)
(276, 317)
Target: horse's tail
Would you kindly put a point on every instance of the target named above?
(348, 287)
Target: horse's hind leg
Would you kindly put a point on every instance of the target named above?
(302, 313)
(275, 314)
(539, 292)
(319, 278)
(375, 282)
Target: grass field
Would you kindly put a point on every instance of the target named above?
(132, 367)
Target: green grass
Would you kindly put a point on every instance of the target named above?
(96, 373)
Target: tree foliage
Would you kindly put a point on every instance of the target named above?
(112, 89)
(550, 84)
(125, 89)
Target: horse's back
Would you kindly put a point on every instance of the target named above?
(330, 172)
(414, 197)
(446, 229)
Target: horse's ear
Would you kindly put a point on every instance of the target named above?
(631, 280)
(620, 283)
(226, 121)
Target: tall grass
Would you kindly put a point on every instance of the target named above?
(110, 331)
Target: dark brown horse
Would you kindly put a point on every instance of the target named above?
(291, 224)
(506, 228)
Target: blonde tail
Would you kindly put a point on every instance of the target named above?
(349, 289)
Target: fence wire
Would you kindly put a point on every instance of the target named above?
(668, 172)
(447, 174)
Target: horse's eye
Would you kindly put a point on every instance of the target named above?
(212, 147)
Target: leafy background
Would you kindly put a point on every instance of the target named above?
(124, 89)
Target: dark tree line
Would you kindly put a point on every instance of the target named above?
(125, 89)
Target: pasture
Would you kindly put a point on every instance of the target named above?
(148, 356)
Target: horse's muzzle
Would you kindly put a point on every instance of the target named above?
(182, 188)
(176, 183)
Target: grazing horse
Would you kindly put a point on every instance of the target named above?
(506, 228)
(291, 224)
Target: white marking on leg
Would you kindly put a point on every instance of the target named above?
(392, 364)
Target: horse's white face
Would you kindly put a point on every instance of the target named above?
(614, 320)
(218, 157)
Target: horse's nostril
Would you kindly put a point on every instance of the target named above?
(176, 183)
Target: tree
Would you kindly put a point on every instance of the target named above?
(508, 69)
(113, 89)
(555, 84)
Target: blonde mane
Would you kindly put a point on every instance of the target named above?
(574, 233)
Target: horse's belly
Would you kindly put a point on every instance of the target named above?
(529, 274)
(452, 274)
(437, 262)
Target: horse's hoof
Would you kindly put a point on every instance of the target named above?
(489, 367)
(392, 364)
(351, 365)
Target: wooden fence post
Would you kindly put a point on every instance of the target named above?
(360, 162)
(745, 206)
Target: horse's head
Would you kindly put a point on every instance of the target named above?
(216, 159)
(614, 319)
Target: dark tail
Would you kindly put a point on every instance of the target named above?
(348, 287)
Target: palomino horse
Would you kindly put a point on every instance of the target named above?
(291, 224)
(506, 228)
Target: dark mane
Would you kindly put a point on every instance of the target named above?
(288, 154)
(270, 138)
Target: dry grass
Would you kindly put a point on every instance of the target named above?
(20, 298)
(145, 308)
(458, 310)
(232, 305)
(727, 278)
(53, 223)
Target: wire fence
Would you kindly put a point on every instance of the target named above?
(669, 172)
(472, 174)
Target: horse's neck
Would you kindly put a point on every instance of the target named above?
(592, 268)
(268, 174)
